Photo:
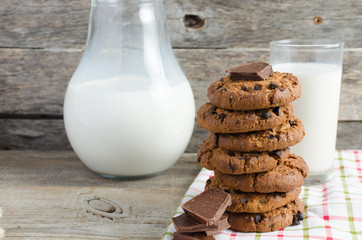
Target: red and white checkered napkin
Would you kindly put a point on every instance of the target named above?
(333, 210)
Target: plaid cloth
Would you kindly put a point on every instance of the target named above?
(333, 210)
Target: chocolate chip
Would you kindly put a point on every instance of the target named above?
(223, 90)
(213, 110)
(292, 123)
(244, 200)
(277, 153)
(295, 83)
(266, 115)
(300, 216)
(295, 220)
(218, 87)
(233, 168)
(263, 201)
(251, 71)
(220, 79)
(222, 116)
(237, 121)
(243, 88)
(231, 154)
(270, 129)
(281, 89)
(199, 159)
(231, 99)
(257, 87)
(271, 136)
(285, 77)
(276, 110)
(272, 85)
(271, 225)
(257, 219)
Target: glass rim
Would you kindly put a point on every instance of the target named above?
(307, 43)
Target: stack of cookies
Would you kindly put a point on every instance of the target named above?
(251, 124)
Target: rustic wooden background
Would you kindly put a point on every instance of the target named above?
(41, 43)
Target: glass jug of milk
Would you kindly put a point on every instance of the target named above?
(129, 110)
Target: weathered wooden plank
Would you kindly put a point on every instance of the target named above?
(50, 135)
(34, 81)
(44, 196)
(233, 23)
(349, 135)
(33, 134)
(43, 23)
(255, 23)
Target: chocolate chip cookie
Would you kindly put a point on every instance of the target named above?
(289, 174)
(273, 220)
(219, 120)
(277, 90)
(254, 202)
(214, 158)
(283, 136)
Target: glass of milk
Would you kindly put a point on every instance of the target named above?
(318, 66)
(129, 110)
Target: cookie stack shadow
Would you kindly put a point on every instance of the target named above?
(252, 126)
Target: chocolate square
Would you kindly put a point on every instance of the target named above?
(251, 71)
(208, 206)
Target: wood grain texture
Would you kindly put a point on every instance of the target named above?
(34, 81)
(49, 134)
(41, 43)
(42, 194)
(44, 23)
(41, 134)
(228, 24)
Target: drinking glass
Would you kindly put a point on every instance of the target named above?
(318, 66)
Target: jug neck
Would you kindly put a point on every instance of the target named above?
(126, 23)
(129, 37)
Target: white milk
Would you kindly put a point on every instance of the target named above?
(318, 110)
(117, 130)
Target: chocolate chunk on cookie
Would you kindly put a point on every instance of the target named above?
(208, 117)
(289, 174)
(254, 202)
(269, 221)
(277, 90)
(214, 158)
(283, 136)
(251, 71)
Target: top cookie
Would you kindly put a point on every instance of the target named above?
(277, 90)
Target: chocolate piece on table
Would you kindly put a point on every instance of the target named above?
(222, 224)
(191, 236)
(251, 71)
(208, 206)
(186, 224)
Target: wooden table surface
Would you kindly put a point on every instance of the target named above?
(52, 195)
